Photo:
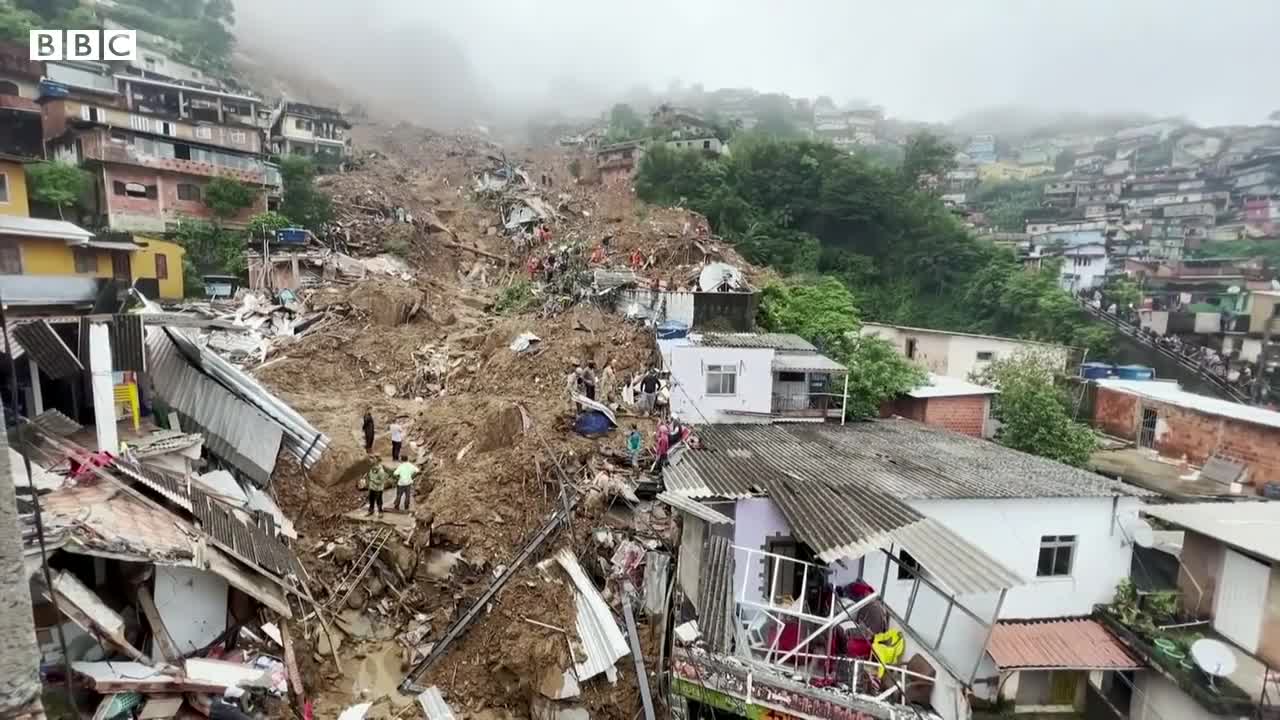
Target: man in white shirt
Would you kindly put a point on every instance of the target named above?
(397, 439)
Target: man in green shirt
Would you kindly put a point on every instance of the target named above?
(404, 473)
(376, 482)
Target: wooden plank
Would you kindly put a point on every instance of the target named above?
(291, 663)
(164, 642)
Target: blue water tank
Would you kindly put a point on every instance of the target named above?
(1135, 372)
(292, 236)
(1096, 370)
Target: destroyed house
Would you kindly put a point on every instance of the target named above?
(316, 132)
(805, 547)
(618, 162)
(751, 378)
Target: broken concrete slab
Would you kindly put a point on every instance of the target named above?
(355, 625)
(544, 709)
(399, 521)
(328, 643)
(440, 563)
(557, 684)
(160, 707)
(433, 704)
(356, 712)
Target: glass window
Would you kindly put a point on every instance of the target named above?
(10, 259)
(1056, 554)
(986, 355)
(4, 188)
(722, 379)
(188, 191)
(908, 567)
(86, 260)
(162, 267)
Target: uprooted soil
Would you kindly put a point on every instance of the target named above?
(490, 425)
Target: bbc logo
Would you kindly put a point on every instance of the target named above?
(84, 44)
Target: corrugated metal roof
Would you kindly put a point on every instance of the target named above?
(899, 457)
(1172, 393)
(128, 343)
(850, 521)
(943, 386)
(715, 595)
(47, 349)
(55, 423)
(1253, 527)
(1080, 644)
(14, 345)
(301, 438)
(802, 362)
(776, 341)
(602, 639)
(694, 508)
(234, 430)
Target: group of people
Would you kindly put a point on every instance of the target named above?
(586, 382)
(379, 477)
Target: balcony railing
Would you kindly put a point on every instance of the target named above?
(48, 289)
(802, 405)
(256, 172)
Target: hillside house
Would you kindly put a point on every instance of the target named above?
(1228, 591)
(319, 133)
(957, 355)
(799, 542)
(751, 378)
(618, 162)
(949, 403)
(1186, 427)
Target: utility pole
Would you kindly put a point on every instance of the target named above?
(19, 656)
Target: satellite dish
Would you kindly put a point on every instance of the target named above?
(1143, 535)
(1214, 657)
(715, 275)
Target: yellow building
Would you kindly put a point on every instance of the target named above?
(13, 187)
(1007, 171)
(50, 263)
(161, 261)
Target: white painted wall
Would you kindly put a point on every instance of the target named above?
(676, 306)
(753, 392)
(956, 355)
(1155, 698)
(193, 605)
(1009, 531)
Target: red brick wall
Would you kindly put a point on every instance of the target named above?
(168, 195)
(907, 407)
(1180, 431)
(965, 414)
(124, 203)
(1116, 413)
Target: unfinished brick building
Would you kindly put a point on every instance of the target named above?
(1177, 424)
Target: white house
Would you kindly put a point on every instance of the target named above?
(951, 539)
(312, 131)
(956, 354)
(1083, 267)
(750, 377)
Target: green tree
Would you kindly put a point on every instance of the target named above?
(267, 223)
(57, 183)
(302, 202)
(226, 197)
(821, 310)
(1123, 291)
(1034, 412)
(624, 123)
(16, 23)
(926, 155)
(211, 250)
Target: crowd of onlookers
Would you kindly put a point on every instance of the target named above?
(1238, 373)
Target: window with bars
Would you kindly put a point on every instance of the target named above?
(1056, 555)
(722, 380)
(188, 191)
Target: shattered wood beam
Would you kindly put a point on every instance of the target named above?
(642, 678)
(409, 685)
(164, 641)
(477, 251)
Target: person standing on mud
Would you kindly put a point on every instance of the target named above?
(648, 392)
(397, 439)
(376, 483)
(589, 381)
(367, 427)
(608, 378)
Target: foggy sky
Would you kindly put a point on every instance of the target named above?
(927, 60)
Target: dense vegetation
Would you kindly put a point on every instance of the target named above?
(806, 208)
